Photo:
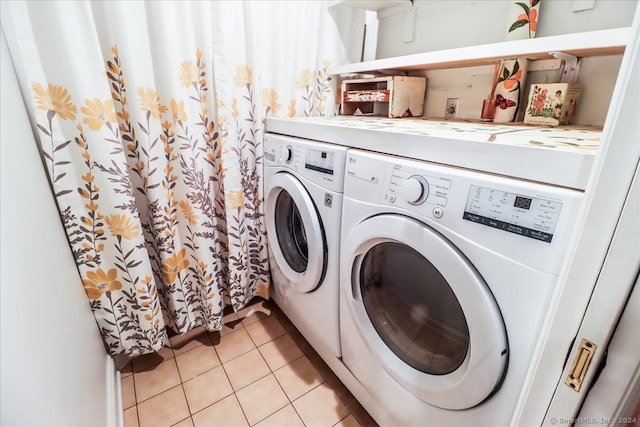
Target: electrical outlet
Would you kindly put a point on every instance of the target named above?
(451, 110)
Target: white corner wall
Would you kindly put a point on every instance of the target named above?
(54, 369)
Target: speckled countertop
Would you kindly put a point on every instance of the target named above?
(560, 156)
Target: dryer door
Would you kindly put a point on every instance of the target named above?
(423, 310)
(297, 244)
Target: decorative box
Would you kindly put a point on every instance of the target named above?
(552, 104)
(392, 96)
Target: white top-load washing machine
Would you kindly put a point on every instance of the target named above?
(446, 275)
(303, 209)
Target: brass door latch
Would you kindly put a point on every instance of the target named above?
(580, 364)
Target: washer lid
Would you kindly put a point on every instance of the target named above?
(297, 244)
(423, 310)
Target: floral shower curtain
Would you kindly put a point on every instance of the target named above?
(150, 122)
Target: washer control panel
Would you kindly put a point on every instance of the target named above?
(527, 216)
(320, 160)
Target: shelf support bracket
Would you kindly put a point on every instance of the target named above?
(571, 66)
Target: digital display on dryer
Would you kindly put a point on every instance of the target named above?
(522, 203)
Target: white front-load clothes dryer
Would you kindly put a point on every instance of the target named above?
(445, 278)
(303, 208)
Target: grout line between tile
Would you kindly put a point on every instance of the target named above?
(152, 396)
(243, 414)
(174, 424)
(137, 415)
(283, 392)
(297, 413)
(342, 419)
(185, 395)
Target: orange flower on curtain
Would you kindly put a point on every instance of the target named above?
(121, 226)
(174, 265)
(54, 100)
(98, 113)
(98, 282)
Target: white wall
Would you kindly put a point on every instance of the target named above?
(450, 24)
(53, 363)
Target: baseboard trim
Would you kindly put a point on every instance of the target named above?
(115, 416)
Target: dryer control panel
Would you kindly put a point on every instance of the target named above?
(524, 221)
(520, 214)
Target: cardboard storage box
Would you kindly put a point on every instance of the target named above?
(552, 104)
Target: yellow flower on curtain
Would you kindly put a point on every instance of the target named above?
(188, 213)
(121, 225)
(262, 290)
(270, 100)
(98, 282)
(166, 125)
(177, 111)
(243, 76)
(54, 98)
(291, 111)
(306, 79)
(188, 73)
(149, 101)
(174, 265)
(235, 199)
(234, 109)
(97, 113)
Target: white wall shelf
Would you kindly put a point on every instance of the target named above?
(592, 43)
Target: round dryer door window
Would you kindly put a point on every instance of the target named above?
(424, 312)
(297, 245)
(413, 308)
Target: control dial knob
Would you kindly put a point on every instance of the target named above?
(415, 189)
(286, 153)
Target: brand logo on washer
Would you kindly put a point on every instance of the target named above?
(328, 200)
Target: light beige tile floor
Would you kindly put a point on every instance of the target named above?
(258, 370)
